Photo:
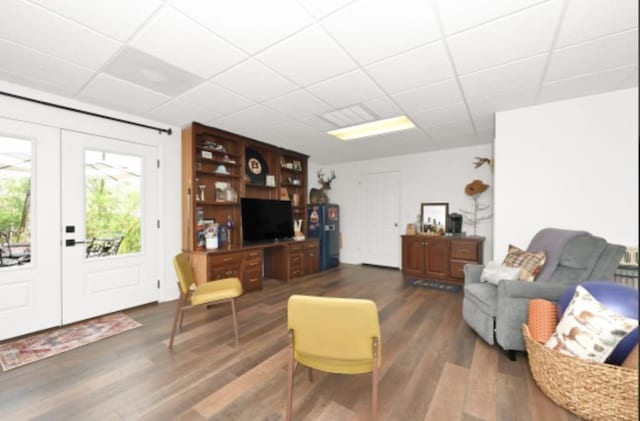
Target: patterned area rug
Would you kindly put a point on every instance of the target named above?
(43, 345)
(442, 286)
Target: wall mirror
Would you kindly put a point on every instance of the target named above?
(434, 215)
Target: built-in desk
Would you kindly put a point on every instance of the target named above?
(282, 260)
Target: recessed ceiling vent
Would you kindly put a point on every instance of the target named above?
(349, 116)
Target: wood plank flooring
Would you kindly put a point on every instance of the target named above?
(434, 367)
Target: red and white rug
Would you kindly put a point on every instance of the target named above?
(47, 344)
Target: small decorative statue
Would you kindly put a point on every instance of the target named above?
(319, 196)
(475, 189)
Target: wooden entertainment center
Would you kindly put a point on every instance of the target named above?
(218, 169)
(439, 257)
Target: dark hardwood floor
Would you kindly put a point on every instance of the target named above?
(433, 365)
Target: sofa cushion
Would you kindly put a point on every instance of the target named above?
(530, 264)
(582, 252)
(484, 296)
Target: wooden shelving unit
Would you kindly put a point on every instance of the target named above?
(214, 158)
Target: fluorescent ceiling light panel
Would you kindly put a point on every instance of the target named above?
(388, 125)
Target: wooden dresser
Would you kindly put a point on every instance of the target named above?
(439, 258)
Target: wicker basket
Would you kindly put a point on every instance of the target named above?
(591, 390)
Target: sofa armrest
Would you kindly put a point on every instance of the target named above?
(472, 273)
(531, 290)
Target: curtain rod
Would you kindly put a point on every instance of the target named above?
(51, 104)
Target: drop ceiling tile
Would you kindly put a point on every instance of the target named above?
(486, 135)
(298, 104)
(255, 81)
(375, 29)
(450, 129)
(295, 130)
(180, 114)
(458, 140)
(251, 25)
(146, 70)
(383, 107)
(32, 26)
(594, 56)
(178, 40)
(32, 68)
(322, 8)
(463, 14)
(324, 59)
(589, 84)
(436, 95)
(118, 19)
(517, 99)
(318, 123)
(589, 19)
(212, 97)
(631, 80)
(440, 115)
(110, 91)
(347, 89)
(520, 35)
(258, 116)
(484, 121)
(419, 67)
(510, 77)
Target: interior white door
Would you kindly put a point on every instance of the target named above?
(110, 225)
(379, 205)
(29, 228)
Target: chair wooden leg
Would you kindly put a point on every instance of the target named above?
(178, 315)
(310, 374)
(235, 319)
(374, 382)
(289, 409)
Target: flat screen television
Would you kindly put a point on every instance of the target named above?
(266, 220)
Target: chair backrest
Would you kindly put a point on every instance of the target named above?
(184, 272)
(334, 329)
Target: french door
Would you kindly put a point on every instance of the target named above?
(109, 225)
(78, 226)
(30, 284)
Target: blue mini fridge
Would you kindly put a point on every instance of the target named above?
(324, 223)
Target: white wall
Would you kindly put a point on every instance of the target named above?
(568, 164)
(169, 151)
(427, 177)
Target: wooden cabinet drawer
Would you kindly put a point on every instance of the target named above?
(222, 272)
(310, 245)
(296, 271)
(464, 250)
(252, 280)
(295, 260)
(253, 265)
(225, 259)
(456, 269)
(295, 248)
(253, 254)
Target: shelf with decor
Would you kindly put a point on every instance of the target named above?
(219, 168)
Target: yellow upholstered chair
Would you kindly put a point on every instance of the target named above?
(335, 335)
(219, 291)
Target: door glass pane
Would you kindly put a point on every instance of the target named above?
(113, 211)
(15, 201)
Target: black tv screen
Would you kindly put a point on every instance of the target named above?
(266, 220)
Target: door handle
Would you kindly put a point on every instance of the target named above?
(71, 242)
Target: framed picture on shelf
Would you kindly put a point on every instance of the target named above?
(207, 155)
(297, 165)
(270, 180)
(199, 216)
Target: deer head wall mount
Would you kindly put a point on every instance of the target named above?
(319, 196)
